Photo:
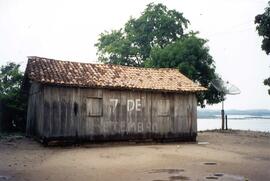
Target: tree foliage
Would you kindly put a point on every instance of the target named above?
(263, 28)
(11, 99)
(156, 27)
(267, 82)
(157, 39)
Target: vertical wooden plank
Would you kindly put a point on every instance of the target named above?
(172, 123)
(63, 113)
(115, 108)
(194, 105)
(77, 113)
(105, 114)
(39, 106)
(55, 118)
(123, 113)
(41, 109)
(83, 114)
(175, 114)
(29, 126)
(184, 114)
(47, 112)
(69, 113)
(131, 114)
(147, 113)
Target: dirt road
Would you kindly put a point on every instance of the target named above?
(236, 155)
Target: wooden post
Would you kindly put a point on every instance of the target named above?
(226, 118)
(222, 116)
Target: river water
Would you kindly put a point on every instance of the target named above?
(241, 122)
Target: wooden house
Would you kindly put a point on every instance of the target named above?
(103, 102)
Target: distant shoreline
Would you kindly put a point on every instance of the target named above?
(229, 117)
(237, 131)
(234, 114)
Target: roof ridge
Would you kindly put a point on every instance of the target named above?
(116, 65)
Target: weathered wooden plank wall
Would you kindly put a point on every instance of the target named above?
(35, 124)
(103, 114)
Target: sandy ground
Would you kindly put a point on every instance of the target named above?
(235, 155)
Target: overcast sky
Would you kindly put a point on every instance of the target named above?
(69, 29)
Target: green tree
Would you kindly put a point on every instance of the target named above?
(156, 27)
(158, 39)
(263, 28)
(267, 82)
(11, 99)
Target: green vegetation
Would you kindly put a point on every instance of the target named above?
(13, 104)
(156, 27)
(263, 28)
(158, 39)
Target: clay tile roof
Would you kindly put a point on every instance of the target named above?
(66, 73)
